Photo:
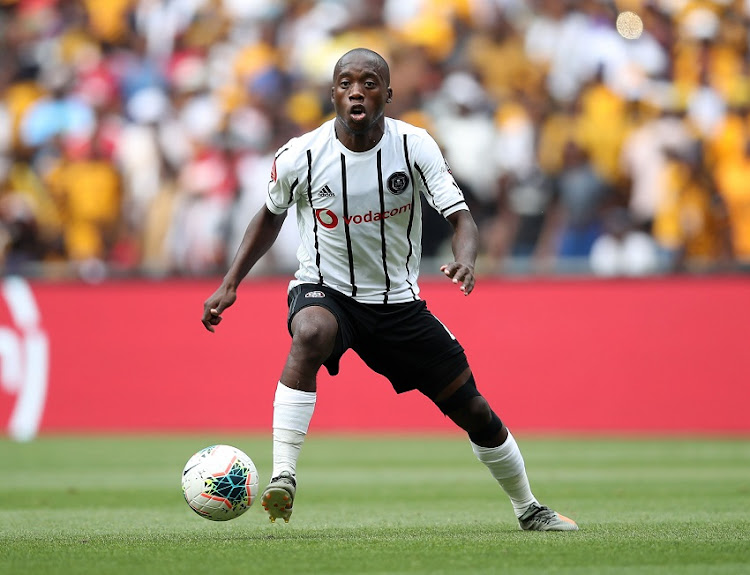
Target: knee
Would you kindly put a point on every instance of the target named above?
(470, 410)
(483, 425)
(477, 412)
(314, 338)
(467, 407)
(465, 402)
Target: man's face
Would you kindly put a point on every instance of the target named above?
(360, 91)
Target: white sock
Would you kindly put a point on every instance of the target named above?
(505, 463)
(292, 412)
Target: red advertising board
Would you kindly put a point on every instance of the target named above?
(663, 355)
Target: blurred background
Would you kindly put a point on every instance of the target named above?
(136, 136)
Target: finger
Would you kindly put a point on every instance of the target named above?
(465, 278)
(460, 275)
(210, 318)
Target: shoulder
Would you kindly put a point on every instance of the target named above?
(299, 145)
(421, 145)
(401, 128)
(292, 156)
(423, 148)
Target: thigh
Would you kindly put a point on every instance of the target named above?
(413, 349)
(306, 295)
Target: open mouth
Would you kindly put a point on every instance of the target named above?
(357, 112)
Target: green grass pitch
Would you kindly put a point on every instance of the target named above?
(379, 505)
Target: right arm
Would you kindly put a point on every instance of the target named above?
(259, 236)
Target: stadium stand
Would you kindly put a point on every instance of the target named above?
(137, 135)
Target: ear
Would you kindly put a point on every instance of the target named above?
(390, 96)
(333, 89)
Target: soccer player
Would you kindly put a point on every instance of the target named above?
(356, 182)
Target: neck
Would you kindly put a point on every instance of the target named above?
(359, 141)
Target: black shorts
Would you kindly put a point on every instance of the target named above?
(403, 342)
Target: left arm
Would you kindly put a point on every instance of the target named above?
(442, 193)
(465, 245)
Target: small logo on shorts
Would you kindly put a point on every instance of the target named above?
(315, 294)
(397, 182)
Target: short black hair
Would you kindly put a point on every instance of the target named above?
(381, 63)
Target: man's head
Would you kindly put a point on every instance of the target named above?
(375, 59)
(361, 89)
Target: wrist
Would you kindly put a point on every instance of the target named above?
(230, 283)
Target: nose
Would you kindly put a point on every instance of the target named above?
(355, 91)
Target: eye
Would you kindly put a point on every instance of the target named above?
(344, 83)
(370, 84)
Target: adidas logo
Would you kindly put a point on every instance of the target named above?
(325, 192)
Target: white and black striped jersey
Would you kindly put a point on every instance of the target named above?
(359, 213)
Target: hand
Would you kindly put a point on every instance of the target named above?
(215, 305)
(460, 273)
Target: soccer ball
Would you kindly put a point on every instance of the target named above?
(220, 482)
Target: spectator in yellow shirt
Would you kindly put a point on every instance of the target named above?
(733, 181)
(88, 189)
(690, 220)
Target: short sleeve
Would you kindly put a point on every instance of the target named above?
(436, 180)
(282, 184)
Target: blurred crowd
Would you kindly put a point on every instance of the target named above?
(137, 136)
